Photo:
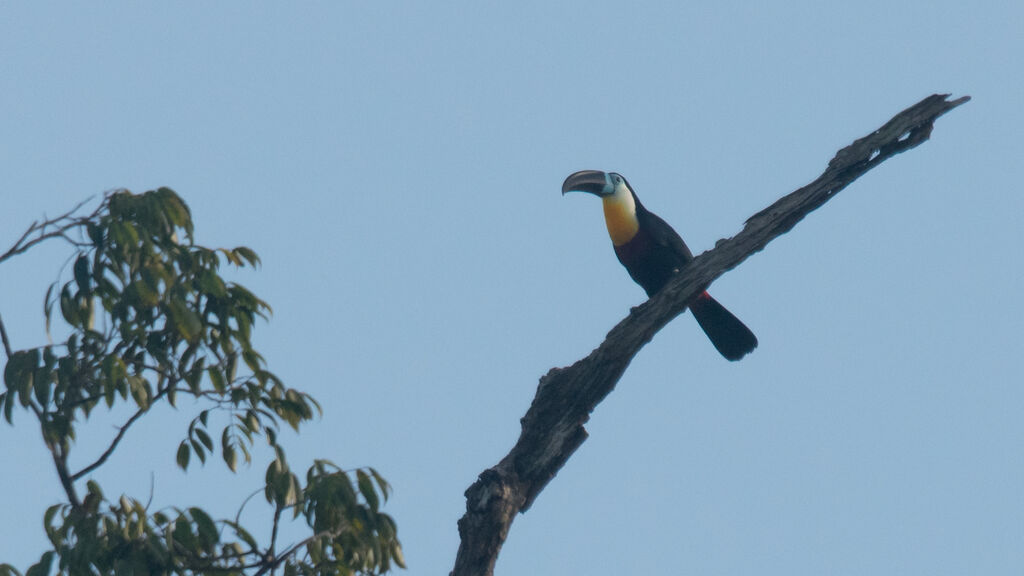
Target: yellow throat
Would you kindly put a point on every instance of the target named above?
(620, 216)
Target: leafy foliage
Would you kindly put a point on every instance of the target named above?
(150, 318)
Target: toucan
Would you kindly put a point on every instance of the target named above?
(652, 252)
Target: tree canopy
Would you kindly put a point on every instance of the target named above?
(149, 318)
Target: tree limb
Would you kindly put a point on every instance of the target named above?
(552, 428)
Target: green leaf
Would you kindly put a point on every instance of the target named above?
(42, 385)
(50, 513)
(245, 452)
(183, 534)
(244, 535)
(82, 276)
(230, 457)
(87, 312)
(119, 234)
(198, 449)
(68, 309)
(139, 526)
(175, 209)
(42, 568)
(382, 484)
(244, 333)
(109, 390)
(48, 307)
(252, 359)
(366, 489)
(230, 256)
(152, 274)
(217, 379)
(13, 371)
(49, 358)
(194, 375)
(342, 486)
(205, 439)
(315, 549)
(210, 283)
(281, 484)
(8, 402)
(113, 368)
(94, 489)
(205, 527)
(185, 320)
(141, 392)
(396, 553)
(251, 421)
(142, 295)
(232, 369)
(95, 233)
(248, 254)
(21, 376)
(183, 455)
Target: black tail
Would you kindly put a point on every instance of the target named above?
(730, 336)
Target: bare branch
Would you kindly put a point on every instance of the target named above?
(552, 428)
(51, 228)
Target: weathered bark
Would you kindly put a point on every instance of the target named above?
(553, 426)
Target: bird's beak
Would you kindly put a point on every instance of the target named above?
(591, 181)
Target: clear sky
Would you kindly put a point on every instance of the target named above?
(398, 168)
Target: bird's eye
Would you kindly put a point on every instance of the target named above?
(618, 179)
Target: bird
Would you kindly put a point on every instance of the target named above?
(652, 252)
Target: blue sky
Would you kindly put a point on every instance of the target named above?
(398, 168)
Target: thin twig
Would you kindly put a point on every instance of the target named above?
(23, 244)
(278, 560)
(7, 341)
(110, 449)
(117, 439)
(238, 515)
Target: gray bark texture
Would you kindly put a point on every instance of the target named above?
(552, 428)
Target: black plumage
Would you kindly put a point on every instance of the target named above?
(654, 253)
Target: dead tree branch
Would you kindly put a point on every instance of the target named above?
(552, 428)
